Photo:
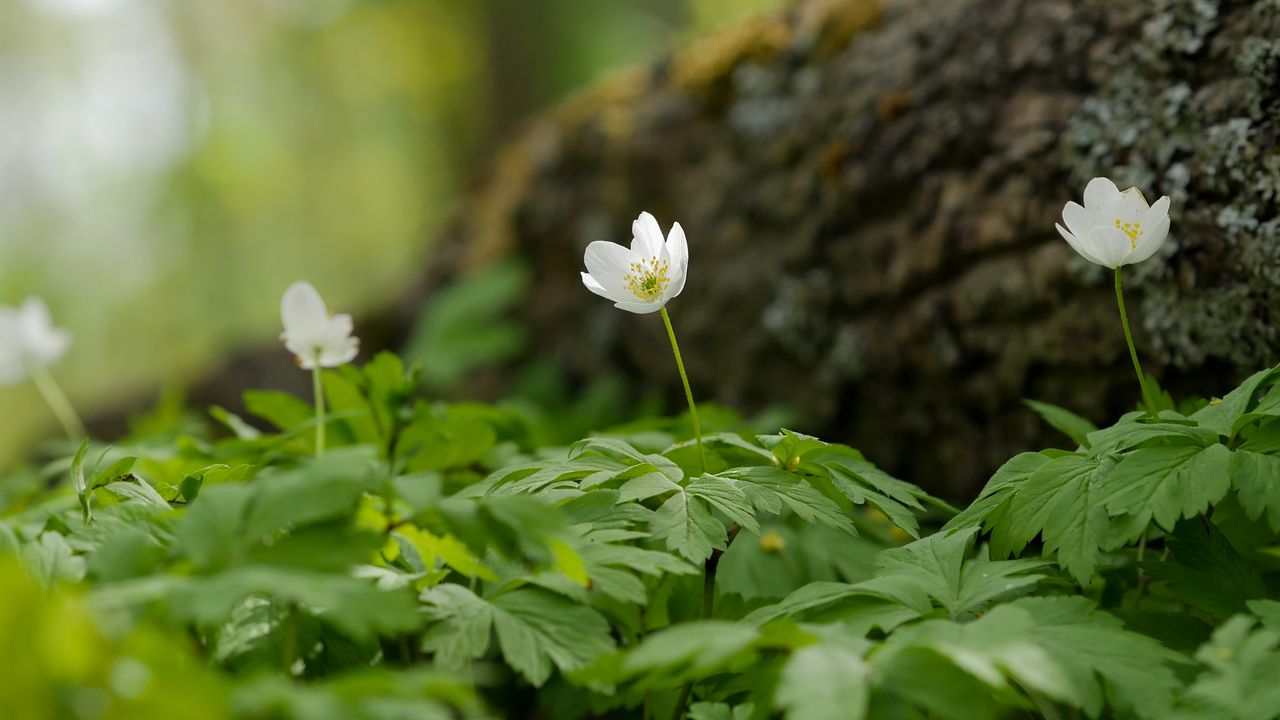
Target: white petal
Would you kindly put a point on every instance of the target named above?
(646, 236)
(640, 308)
(1109, 245)
(608, 264)
(32, 337)
(1078, 245)
(1158, 211)
(1151, 241)
(1077, 219)
(49, 347)
(303, 314)
(678, 252)
(1099, 193)
(597, 288)
(339, 354)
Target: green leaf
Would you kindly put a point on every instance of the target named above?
(1222, 416)
(118, 470)
(281, 409)
(78, 482)
(1092, 646)
(726, 496)
(351, 605)
(1131, 434)
(689, 651)
(1207, 572)
(687, 526)
(919, 684)
(463, 625)
(862, 482)
(1242, 663)
(1268, 611)
(611, 567)
(50, 560)
(1060, 501)
(938, 568)
(1256, 478)
(817, 595)
(1167, 483)
(536, 629)
(989, 508)
(784, 489)
(1063, 420)
(824, 682)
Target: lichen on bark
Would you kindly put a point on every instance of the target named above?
(1191, 111)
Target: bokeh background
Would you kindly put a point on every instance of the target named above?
(167, 168)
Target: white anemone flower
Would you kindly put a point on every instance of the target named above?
(318, 338)
(29, 342)
(643, 278)
(1115, 228)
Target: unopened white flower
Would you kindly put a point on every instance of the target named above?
(28, 341)
(318, 338)
(643, 278)
(1115, 228)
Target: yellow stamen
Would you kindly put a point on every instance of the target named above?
(649, 278)
(1133, 230)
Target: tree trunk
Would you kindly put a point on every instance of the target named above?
(869, 192)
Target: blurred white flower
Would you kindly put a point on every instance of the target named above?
(643, 278)
(310, 332)
(1115, 228)
(28, 341)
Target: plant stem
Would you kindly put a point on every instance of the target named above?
(1133, 352)
(318, 386)
(708, 608)
(688, 392)
(57, 402)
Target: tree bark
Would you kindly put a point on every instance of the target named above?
(869, 192)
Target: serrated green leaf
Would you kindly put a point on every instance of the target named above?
(1242, 663)
(537, 629)
(1167, 483)
(726, 496)
(1256, 478)
(938, 568)
(785, 489)
(1207, 572)
(998, 492)
(1222, 416)
(1128, 435)
(687, 526)
(1060, 501)
(463, 625)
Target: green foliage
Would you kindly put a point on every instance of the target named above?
(439, 561)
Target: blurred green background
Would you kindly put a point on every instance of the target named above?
(167, 168)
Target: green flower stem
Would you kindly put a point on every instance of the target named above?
(1133, 352)
(57, 402)
(708, 608)
(318, 387)
(688, 392)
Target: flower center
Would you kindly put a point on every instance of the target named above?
(1133, 230)
(649, 278)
